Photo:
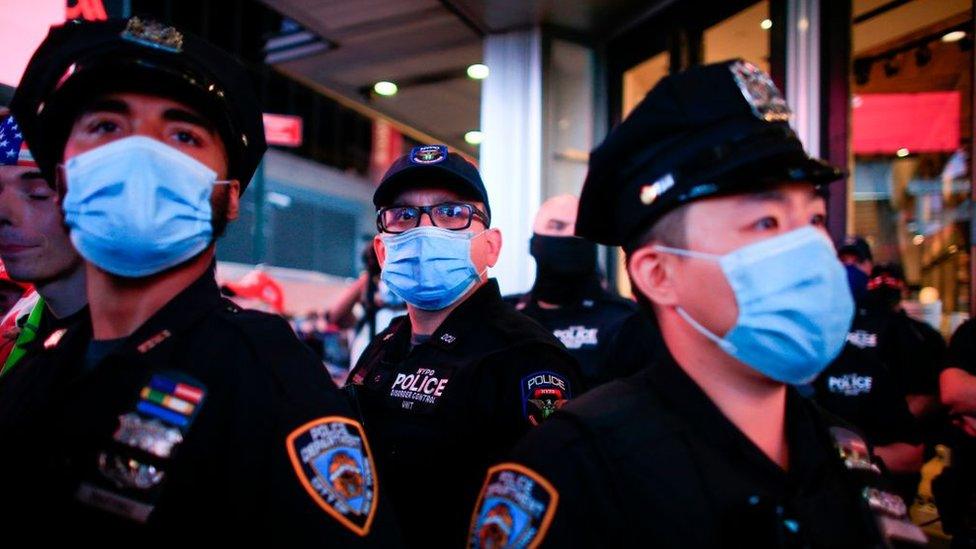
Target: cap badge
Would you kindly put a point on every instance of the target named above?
(153, 34)
(650, 193)
(760, 92)
(429, 154)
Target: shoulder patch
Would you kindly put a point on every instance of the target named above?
(334, 463)
(542, 394)
(515, 508)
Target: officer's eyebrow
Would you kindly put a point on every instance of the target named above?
(105, 105)
(183, 115)
(34, 174)
(765, 196)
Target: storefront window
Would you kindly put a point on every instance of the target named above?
(911, 141)
(745, 35)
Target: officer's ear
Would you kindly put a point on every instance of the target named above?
(652, 274)
(233, 199)
(493, 246)
(380, 250)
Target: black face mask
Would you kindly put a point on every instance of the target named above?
(566, 269)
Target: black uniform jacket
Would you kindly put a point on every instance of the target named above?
(209, 423)
(649, 460)
(588, 329)
(440, 412)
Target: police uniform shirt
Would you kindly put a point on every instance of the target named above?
(208, 424)
(916, 353)
(962, 347)
(440, 411)
(650, 461)
(862, 387)
(588, 329)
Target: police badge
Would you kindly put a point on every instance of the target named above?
(760, 92)
(153, 34)
(334, 464)
(514, 509)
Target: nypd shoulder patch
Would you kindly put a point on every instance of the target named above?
(334, 463)
(515, 508)
(542, 394)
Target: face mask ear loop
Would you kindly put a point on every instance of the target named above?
(730, 348)
(687, 253)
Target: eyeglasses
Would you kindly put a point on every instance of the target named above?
(454, 216)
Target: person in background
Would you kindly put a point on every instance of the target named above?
(568, 297)
(451, 386)
(35, 249)
(955, 488)
(868, 384)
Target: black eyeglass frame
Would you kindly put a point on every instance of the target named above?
(473, 212)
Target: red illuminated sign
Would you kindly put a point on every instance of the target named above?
(89, 10)
(883, 123)
(283, 129)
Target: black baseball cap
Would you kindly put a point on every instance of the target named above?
(431, 166)
(711, 130)
(81, 60)
(856, 246)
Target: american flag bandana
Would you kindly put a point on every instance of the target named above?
(13, 148)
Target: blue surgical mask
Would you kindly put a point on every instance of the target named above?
(429, 267)
(795, 307)
(136, 206)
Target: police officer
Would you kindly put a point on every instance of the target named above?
(867, 384)
(35, 249)
(450, 387)
(955, 488)
(169, 414)
(715, 201)
(568, 297)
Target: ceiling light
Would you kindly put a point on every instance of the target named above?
(902, 152)
(953, 36)
(766, 24)
(478, 71)
(474, 137)
(385, 88)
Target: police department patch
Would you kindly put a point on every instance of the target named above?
(542, 394)
(514, 509)
(430, 154)
(332, 459)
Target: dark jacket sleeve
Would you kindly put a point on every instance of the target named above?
(324, 486)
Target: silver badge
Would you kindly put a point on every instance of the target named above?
(153, 34)
(760, 92)
(853, 450)
(885, 502)
(147, 435)
(128, 472)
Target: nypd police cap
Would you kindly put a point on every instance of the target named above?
(711, 130)
(431, 166)
(79, 61)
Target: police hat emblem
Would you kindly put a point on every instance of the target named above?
(428, 154)
(334, 464)
(153, 34)
(760, 92)
(514, 509)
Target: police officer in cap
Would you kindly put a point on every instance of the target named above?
(169, 412)
(568, 296)
(716, 204)
(451, 386)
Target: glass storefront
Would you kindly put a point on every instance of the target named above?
(911, 144)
